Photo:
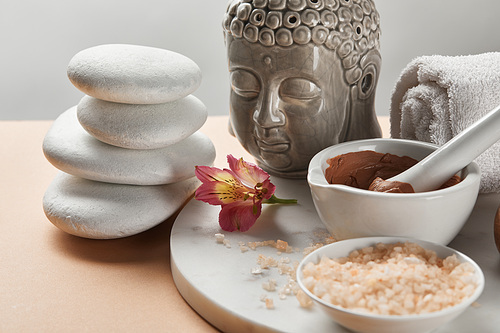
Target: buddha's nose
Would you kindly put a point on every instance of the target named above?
(267, 113)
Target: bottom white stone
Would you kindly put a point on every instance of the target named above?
(101, 210)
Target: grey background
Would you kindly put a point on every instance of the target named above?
(38, 38)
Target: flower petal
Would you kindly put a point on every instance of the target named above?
(211, 174)
(219, 193)
(248, 173)
(270, 188)
(239, 215)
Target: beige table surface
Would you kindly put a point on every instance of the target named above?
(51, 281)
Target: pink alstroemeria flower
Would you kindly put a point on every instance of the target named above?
(240, 191)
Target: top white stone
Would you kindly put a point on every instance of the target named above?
(133, 74)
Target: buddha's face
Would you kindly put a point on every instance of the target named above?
(286, 103)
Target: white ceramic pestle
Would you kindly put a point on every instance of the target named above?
(431, 172)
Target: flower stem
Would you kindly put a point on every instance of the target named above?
(274, 200)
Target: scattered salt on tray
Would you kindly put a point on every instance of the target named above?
(283, 265)
(391, 279)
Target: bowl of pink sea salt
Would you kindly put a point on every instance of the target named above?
(390, 284)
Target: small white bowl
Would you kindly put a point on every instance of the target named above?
(374, 323)
(349, 212)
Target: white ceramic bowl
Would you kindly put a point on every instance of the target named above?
(374, 323)
(349, 212)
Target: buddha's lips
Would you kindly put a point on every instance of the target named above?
(274, 142)
(276, 147)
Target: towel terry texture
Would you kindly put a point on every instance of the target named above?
(437, 97)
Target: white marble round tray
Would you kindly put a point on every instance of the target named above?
(218, 283)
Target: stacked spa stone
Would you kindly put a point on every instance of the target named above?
(128, 150)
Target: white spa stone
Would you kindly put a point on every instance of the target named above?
(71, 149)
(133, 74)
(141, 126)
(99, 210)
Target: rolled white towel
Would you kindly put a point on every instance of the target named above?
(437, 97)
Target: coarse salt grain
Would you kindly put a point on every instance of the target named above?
(266, 262)
(269, 303)
(270, 285)
(391, 279)
(219, 238)
(243, 247)
(256, 271)
(304, 300)
(289, 289)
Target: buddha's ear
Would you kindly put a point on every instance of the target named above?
(370, 66)
(363, 122)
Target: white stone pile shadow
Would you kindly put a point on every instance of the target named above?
(127, 152)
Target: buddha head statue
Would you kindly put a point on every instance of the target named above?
(303, 75)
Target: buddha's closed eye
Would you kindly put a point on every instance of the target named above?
(298, 88)
(245, 84)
